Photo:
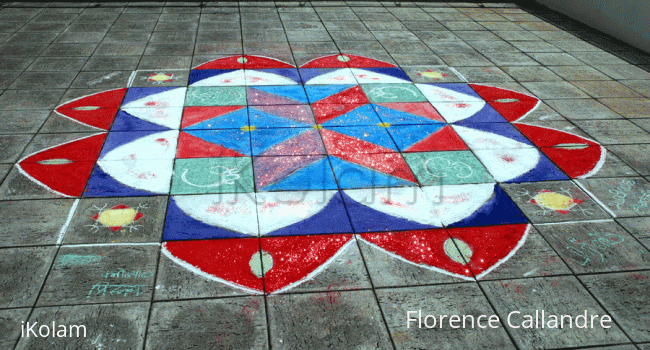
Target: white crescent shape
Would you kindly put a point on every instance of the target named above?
(280, 209)
(453, 203)
(153, 175)
(369, 77)
(161, 145)
(507, 164)
(165, 99)
(234, 78)
(232, 211)
(256, 77)
(402, 202)
(339, 76)
(169, 117)
(478, 139)
(452, 105)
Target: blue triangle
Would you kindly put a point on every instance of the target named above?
(394, 117)
(232, 120)
(372, 133)
(406, 136)
(293, 92)
(261, 119)
(366, 219)
(363, 115)
(237, 140)
(332, 219)
(350, 175)
(316, 176)
(545, 170)
(393, 72)
(319, 92)
(180, 226)
(499, 210)
(458, 87)
(101, 184)
(136, 93)
(503, 129)
(261, 139)
(126, 122)
(119, 138)
(487, 114)
(200, 74)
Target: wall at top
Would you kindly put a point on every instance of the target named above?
(627, 20)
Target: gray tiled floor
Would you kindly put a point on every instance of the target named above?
(589, 84)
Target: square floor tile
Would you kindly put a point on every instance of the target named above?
(336, 94)
(116, 325)
(596, 247)
(447, 168)
(638, 228)
(556, 296)
(286, 142)
(282, 116)
(216, 96)
(614, 132)
(24, 270)
(213, 143)
(357, 140)
(457, 299)
(310, 172)
(101, 274)
(212, 175)
(341, 312)
(117, 220)
(276, 95)
(624, 197)
(345, 114)
(554, 201)
(208, 323)
(26, 223)
(301, 212)
(383, 93)
(216, 117)
(616, 292)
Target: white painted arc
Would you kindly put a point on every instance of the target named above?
(161, 145)
(153, 175)
(453, 203)
(256, 77)
(435, 93)
(168, 117)
(169, 98)
(281, 209)
(456, 111)
(232, 211)
(510, 163)
(339, 76)
(234, 78)
(479, 139)
(407, 203)
(369, 77)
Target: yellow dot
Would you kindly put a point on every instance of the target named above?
(554, 201)
(117, 217)
(260, 263)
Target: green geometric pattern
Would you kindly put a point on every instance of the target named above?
(447, 168)
(380, 93)
(212, 175)
(216, 96)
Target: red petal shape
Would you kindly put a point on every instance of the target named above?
(575, 155)
(226, 259)
(444, 139)
(295, 257)
(365, 62)
(65, 168)
(490, 245)
(96, 110)
(425, 247)
(251, 62)
(331, 61)
(223, 63)
(190, 146)
(353, 95)
(502, 101)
